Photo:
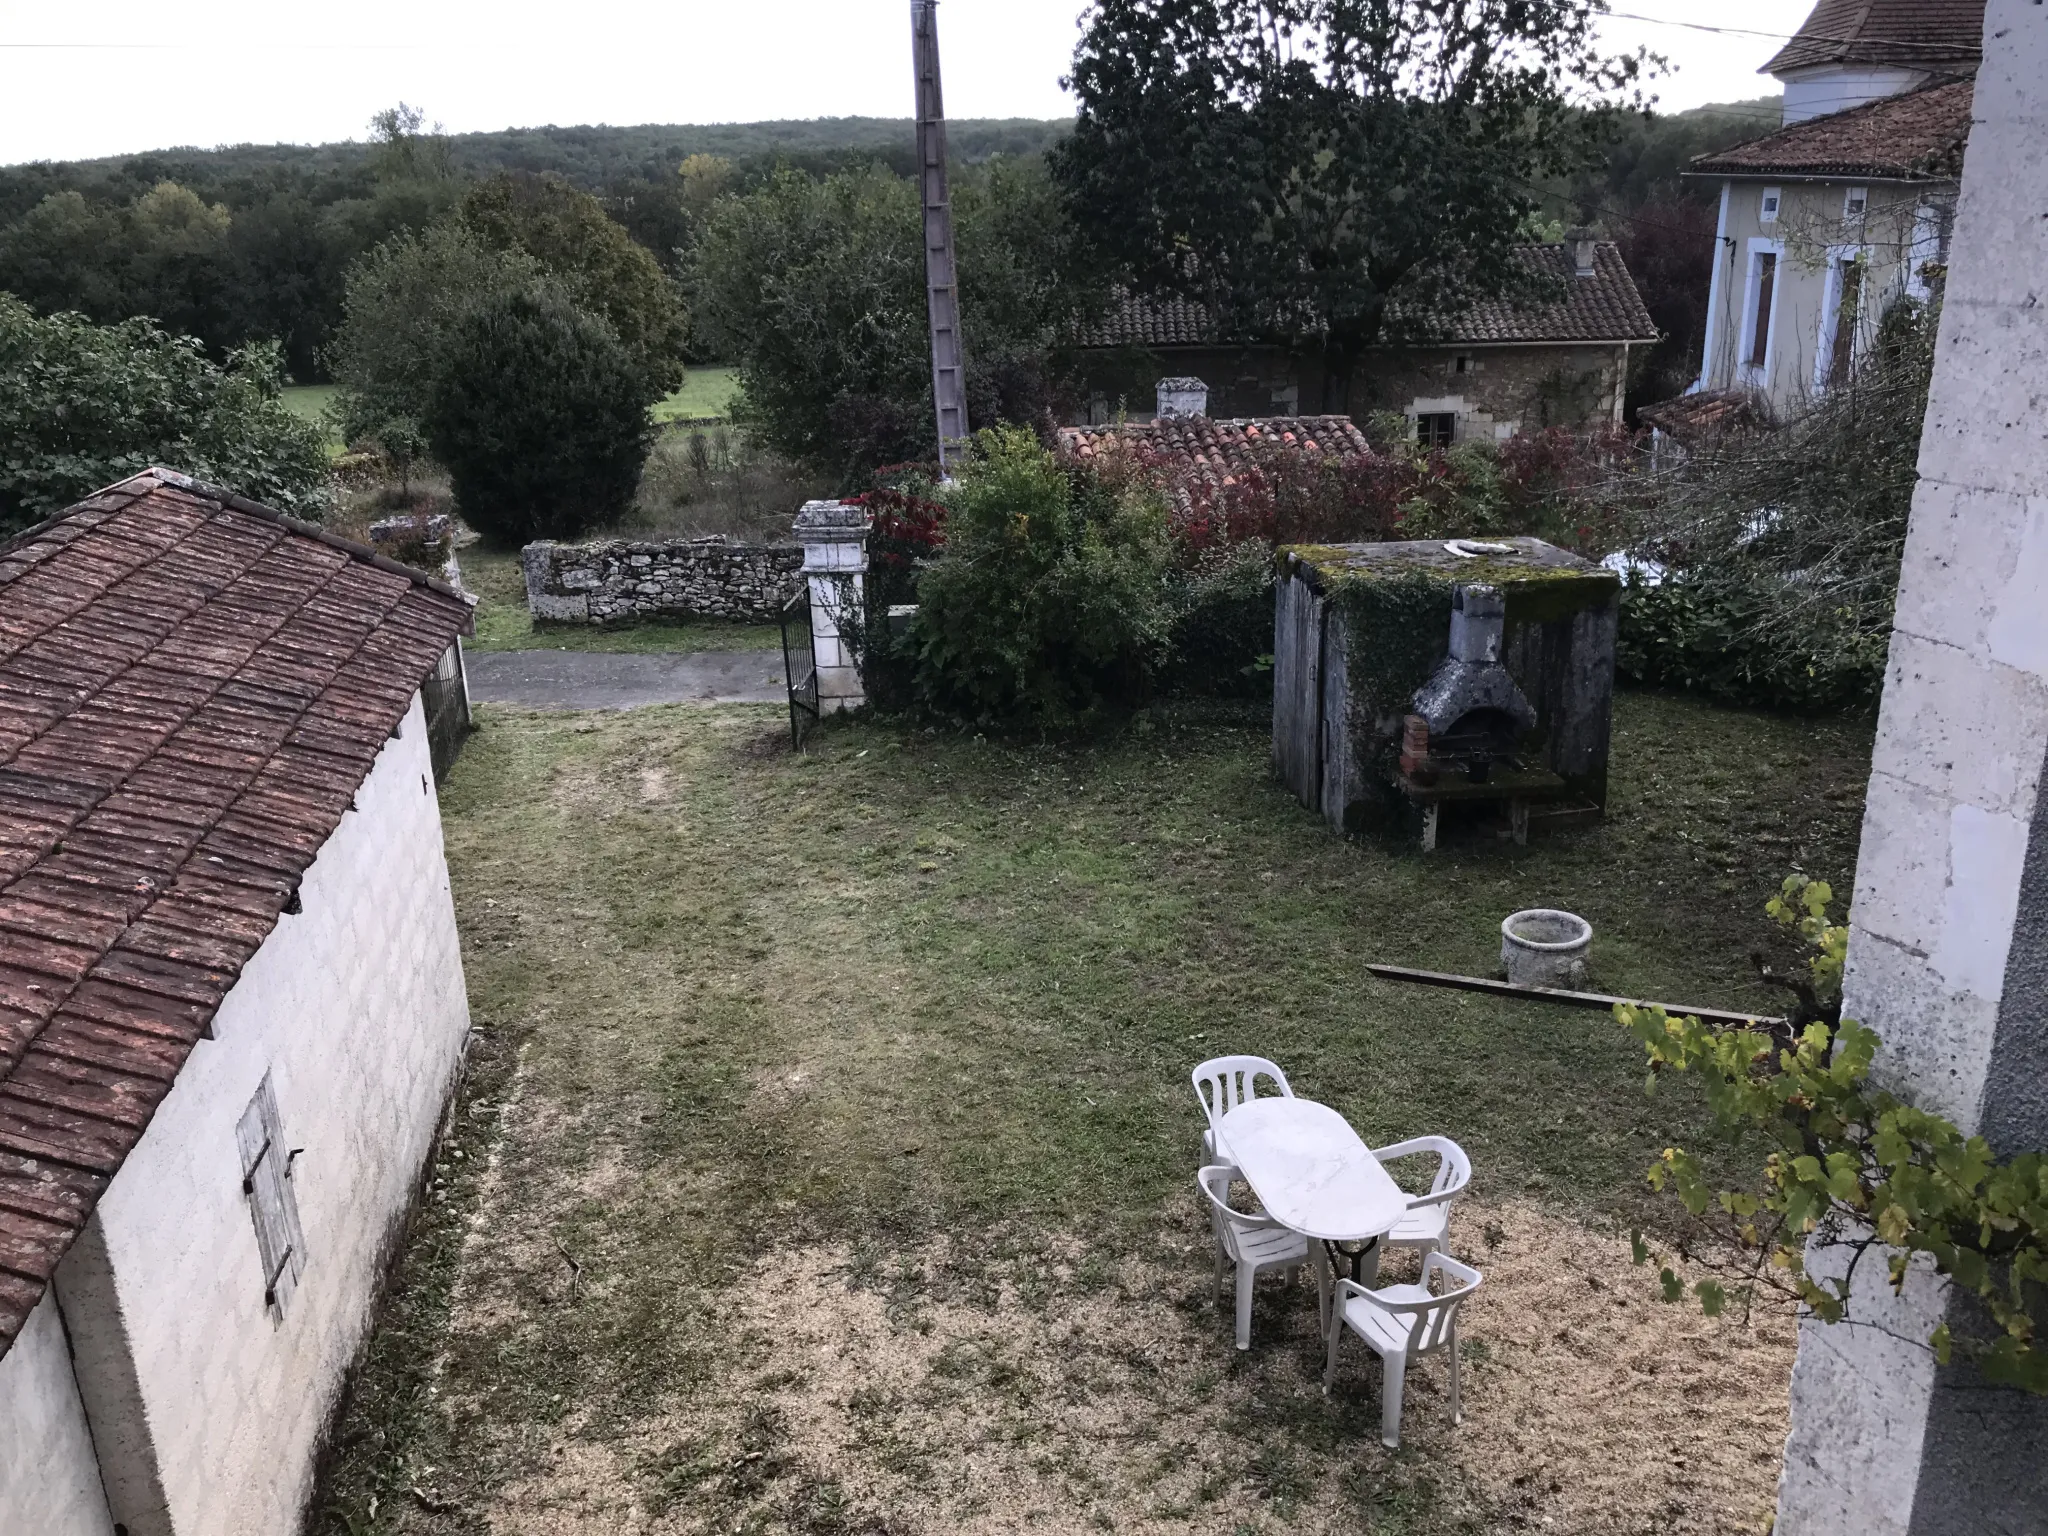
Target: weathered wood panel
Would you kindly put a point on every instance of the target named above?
(1297, 688)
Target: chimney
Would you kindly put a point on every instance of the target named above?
(1583, 247)
(1182, 397)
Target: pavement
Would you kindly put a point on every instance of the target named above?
(607, 680)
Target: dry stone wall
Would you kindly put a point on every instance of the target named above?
(616, 582)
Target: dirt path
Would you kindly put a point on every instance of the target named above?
(607, 680)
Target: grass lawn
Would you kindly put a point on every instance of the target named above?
(826, 1160)
(504, 623)
(705, 392)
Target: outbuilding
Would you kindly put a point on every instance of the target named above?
(231, 995)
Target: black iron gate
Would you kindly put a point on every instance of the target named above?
(800, 667)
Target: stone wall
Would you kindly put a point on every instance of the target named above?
(617, 582)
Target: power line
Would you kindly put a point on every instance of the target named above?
(1782, 37)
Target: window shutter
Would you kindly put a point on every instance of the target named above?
(266, 1179)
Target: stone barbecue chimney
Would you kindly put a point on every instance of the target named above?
(1183, 397)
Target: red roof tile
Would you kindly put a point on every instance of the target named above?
(191, 689)
(1195, 450)
(1915, 137)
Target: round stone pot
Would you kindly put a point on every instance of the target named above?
(1546, 948)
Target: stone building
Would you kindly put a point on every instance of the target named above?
(231, 997)
(1825, 224)
(1505, 366)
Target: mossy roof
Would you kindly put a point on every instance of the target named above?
(1525, 563)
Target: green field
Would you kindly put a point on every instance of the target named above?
(706, 392)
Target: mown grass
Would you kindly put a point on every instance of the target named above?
(504, 622)
(909, 987)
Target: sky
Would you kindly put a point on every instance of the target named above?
(104, 77)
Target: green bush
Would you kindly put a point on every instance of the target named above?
(84, 405)
(1721, 639)
(1221, 640)
(1048, 604)
(541, 419)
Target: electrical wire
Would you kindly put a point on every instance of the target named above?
(1783, 37)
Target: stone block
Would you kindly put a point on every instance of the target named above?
(1986, 421)
(1968, 730)
(1962, 550)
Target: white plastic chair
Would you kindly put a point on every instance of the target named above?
(1401, 1323)
(1428, 1222)
(1252, 1244)
(1227, 1082)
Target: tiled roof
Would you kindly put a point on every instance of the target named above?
(1706, 414)
(1915, 137)
(1194, 449)
(1602, 307)
(192, 688)
(1927, 34)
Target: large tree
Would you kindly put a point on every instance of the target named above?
(1332, 173)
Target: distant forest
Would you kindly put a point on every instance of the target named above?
(251, 242)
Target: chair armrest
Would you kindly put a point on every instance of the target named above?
(1407, 1148)
(1416, 1202)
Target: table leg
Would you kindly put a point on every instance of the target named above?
(1518, 818)
(1429, 820)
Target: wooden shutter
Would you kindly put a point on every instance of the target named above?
(1766, 280)
(267, 1181)
(1847, 313)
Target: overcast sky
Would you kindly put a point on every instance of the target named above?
(102, 77)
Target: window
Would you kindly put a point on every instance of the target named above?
(1463, 365)
(1768, 213)
(1853, 206)
(1760, 321)
(273, 1206)
(1436, 429)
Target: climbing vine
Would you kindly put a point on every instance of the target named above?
(1848, 1164)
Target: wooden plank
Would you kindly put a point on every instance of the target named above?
(1508, 989)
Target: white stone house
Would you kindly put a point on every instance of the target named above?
(231, 996)
(1847, 208)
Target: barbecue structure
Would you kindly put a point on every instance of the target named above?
(1413, 676)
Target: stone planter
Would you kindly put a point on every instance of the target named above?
(1546, 948)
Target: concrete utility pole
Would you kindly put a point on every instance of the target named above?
(949, 363)
(1948, 938)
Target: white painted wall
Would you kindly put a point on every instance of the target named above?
(49, 1479)
(357, 1008)
(1829, 88)
(1954, 788)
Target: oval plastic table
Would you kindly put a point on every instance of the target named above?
(1313, 1173)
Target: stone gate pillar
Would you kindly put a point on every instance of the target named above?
(835, 540)
(1948, 950)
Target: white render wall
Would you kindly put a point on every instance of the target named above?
(49, 1479)
(356, 1007)
(1882, 1443)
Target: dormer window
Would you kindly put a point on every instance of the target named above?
(1769, 212)
(1853, 206)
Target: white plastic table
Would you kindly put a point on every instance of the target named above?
(1310, 1170)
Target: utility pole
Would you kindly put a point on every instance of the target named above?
(949, 363)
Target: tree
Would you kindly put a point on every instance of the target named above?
(815, 288)
(569, 234)
(541, 417)
(84, 405)
(403, 306)
(1331, 172)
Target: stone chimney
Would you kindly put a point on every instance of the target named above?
(1183, 397)
(1584, 249)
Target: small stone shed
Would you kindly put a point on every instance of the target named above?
(231, 997)
(1359, 628)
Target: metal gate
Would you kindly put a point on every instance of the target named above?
(800, 668)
